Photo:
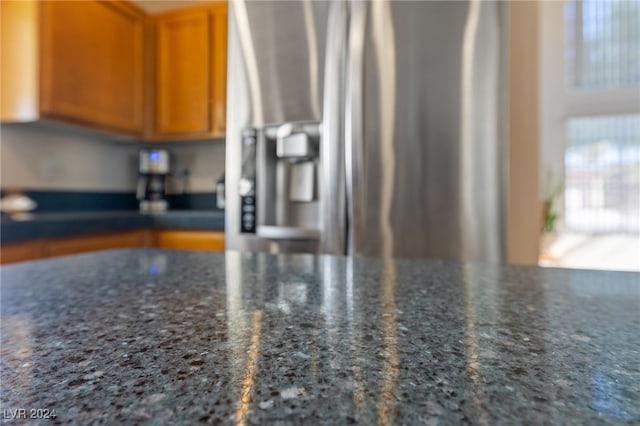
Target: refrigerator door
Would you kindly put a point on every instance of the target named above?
(425, 129)
(284, 167)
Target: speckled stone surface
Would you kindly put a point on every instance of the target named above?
(176, 337)
(52, 225)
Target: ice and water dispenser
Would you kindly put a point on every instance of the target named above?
(279, 181)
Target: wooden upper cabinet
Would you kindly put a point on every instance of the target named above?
(19, 61)
(103, 64)
(191, 52)
(93, 63)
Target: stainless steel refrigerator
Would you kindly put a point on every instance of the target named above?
(367, 128)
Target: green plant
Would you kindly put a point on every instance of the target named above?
(549, 216)
(552, 190)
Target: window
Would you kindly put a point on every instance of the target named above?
(602, 43)
(590, 114)
(602, 174)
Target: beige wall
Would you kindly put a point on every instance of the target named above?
(56, 157)
(205, 161)
(524, 219)
(34, 156)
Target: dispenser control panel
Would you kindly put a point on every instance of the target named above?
(154, 161)
(247, 184)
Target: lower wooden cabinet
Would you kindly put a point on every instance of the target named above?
(189, 240)
(169, 239)
(40, 249)
(64, 246)
(20, 252)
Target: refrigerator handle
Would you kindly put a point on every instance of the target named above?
(354, 143)
(332, 172)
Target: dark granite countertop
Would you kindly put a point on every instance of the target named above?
(51, 225)
(174, 337)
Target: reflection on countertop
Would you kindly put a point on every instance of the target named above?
(179, 337)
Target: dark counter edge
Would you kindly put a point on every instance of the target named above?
(75, 224)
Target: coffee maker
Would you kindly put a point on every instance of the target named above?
(152, 180)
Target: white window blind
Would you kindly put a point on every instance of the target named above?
(602, 174)
(603, 43)
(602, 129)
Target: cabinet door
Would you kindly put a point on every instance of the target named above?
(191, 73)
(18, 61)
(183, 82)
(219, 65)
(92, 62)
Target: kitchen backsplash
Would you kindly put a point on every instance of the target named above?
(69, 169)
(51, 157)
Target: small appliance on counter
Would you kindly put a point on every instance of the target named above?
(152, 180)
